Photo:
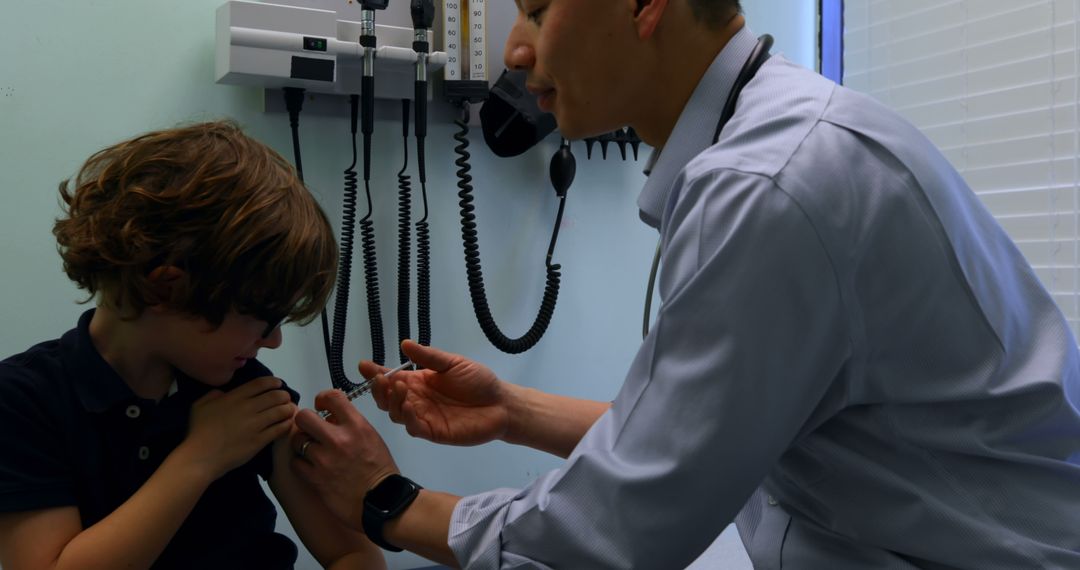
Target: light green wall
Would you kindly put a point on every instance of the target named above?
(79, 75)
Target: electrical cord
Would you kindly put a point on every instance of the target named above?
(758, 56)
(423, 255)
(367, 228)
(294, 103)
(423, 16)
(473, 267)
(649, 292)
(348, 236)
(404, 236)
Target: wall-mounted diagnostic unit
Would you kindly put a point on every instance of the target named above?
(334, 47)
(276, 46)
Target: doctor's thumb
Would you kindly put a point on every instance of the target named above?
(428, 357)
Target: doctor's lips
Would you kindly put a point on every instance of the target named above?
(544, 96)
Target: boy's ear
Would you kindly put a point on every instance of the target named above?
(164, 281)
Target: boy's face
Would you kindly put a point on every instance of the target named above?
(577, 54)
(212, 355)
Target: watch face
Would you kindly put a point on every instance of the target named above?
(389, 494)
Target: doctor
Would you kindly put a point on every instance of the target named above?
(852, 360)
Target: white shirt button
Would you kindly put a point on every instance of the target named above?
(772, 501)
(133, 411)
(144, 452)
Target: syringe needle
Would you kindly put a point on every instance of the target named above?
(365, 386)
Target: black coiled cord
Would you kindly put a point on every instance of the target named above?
(423, 236)
(371, 278)
(367, 227)
(423, 266)
(294, 102)
(341, 300)
(404, 236)
(470, 240)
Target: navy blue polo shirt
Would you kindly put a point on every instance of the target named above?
(72, 433)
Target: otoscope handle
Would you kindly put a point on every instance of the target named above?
(420, 96)
(423, 13)
(367, 102)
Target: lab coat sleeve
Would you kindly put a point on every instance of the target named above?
(751, 334)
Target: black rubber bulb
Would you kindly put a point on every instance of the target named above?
(563, 168)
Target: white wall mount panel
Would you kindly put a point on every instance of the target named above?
(275, 46)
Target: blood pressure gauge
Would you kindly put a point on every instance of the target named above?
(465, 40)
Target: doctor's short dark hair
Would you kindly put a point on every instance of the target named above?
(209, 200)
(715, 13)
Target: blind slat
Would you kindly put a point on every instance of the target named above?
(996, 85)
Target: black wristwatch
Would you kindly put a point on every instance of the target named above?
(385, 501)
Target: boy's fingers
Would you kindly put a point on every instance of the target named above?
(211, 396)
(267, 400)
(256, 386)
(280, 414)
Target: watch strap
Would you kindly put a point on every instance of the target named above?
(385, 502)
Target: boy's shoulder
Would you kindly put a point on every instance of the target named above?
(38, 390)
(40, 370)
(58, 377)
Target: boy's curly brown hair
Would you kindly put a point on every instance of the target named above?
(211, 201)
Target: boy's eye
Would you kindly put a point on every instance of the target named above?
(535, 15)
(271, 324)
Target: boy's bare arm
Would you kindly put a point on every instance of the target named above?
(132, 536)
(227, 430)
(333, 544)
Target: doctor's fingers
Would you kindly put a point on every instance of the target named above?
(414, 420)
(352, 439)
(368, 369)
(397, 391)
(380, 392)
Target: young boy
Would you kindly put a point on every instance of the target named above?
(136, 439)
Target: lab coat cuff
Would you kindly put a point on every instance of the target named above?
(476, 528)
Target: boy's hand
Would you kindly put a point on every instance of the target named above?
(228, 429)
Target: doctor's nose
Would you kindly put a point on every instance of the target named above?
(519, 54)
(519, 58)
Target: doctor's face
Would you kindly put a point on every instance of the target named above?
(578, 57)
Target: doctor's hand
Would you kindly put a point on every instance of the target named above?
(342, 457)
(452, 400)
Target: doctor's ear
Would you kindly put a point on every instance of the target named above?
(165, 281)
(647, 16)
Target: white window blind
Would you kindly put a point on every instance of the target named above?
(994, 84)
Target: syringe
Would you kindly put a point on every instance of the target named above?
(365, 387)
